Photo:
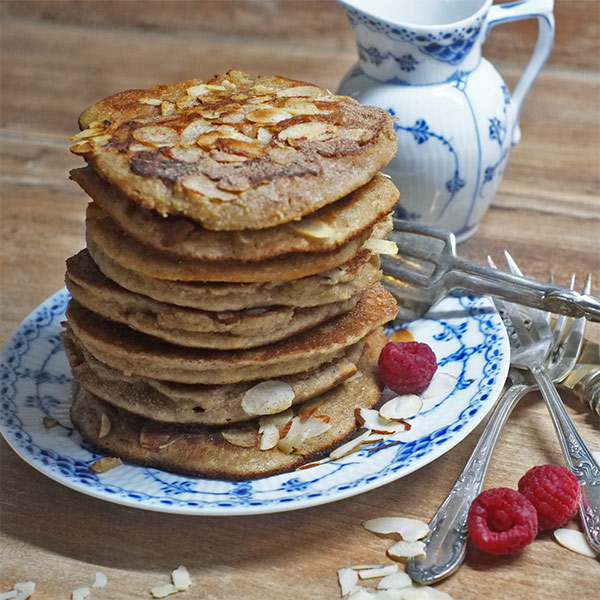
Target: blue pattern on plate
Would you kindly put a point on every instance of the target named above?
(466, 333)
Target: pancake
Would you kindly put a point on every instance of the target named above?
(335, 285)
(188, 326)
(207, 452)
(326, 229)
(169, 402)
(139, 354)
(236, 152)
(104, 232)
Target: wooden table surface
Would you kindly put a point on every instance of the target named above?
(58, 58)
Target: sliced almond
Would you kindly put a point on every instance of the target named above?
(268, 398)
(269, 436)
(150, 101)
(370, 419)
(401, 407)
(306, 91)
(403, 549)
(105, 425)
(410, 530)
(80, 593)
(162, 591)
(299, 431)
(381, 246)
(105, 464)
(395, 581)
(193, 130)
(49, 422)
(244, 437)
(10, 595)
(247, 149)
(156, 135)
(99, 580)
(201, 184)
(350, 446)
(314, 463)
(24, 589)
(263, 135)
(168, 108)
(314, 228)
(280, 420)
(377, 572)
(347, 578)
(402, 335)
(360, 135)
(197, 90)
(84, 147)
(268, 115)
(181, 578)
(309, 130)
(360, 593)
(574, 540)
(441, 385)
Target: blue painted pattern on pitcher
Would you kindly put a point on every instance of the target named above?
(455, 118)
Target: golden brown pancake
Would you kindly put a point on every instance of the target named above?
(237, 152)
(170, 402)
(334, 285)
(325, 229)
(207, 452)
(104, 232)
(188, 326)
(136, 353)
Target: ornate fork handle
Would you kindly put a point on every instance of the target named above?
(577, 455)
(522, 290)
(446, 544)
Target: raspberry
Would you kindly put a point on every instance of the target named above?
(502, 521)
(407, 367)
(555, 493)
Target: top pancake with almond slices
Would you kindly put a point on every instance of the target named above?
(236, 152)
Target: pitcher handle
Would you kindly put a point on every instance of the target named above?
(515, 11)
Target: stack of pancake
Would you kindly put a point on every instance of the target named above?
(226, 316)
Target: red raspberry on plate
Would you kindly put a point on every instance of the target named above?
(502, 521)
(407, 367)
(555, 493)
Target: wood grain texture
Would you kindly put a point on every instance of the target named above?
(308, 22)
(57, 59)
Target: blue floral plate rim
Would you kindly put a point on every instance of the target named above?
(466, 333)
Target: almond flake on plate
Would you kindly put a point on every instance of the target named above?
(162, 591)
(377, 572)
(49, 422)
(574, 540)
(347, 578)
(410, 530)
(181, 578)
(102, 465)
(401, 407)
(350, 446)
(268, 398)
(403, 549)
(99, 580)
(441, 385)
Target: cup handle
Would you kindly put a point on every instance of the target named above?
(515, 11)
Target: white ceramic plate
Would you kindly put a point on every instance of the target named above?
(466, 334)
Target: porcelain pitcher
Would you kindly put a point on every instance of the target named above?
(455, 118)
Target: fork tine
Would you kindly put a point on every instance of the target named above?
(539, 318)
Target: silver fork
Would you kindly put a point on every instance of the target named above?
(426, 268)
(446, 544)
(535, 336)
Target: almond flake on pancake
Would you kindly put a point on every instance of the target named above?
(314, 228)
(156, 135)
(150, 101)
(370, 419)
(381, 246)
(104, 425)
(309, 130)
(268, 397)
(162, 591)
(245, 437)
(99, 580)
(307, 91)
(80, 593)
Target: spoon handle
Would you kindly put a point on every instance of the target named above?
(445, 546)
